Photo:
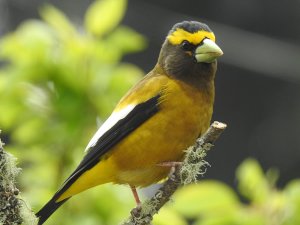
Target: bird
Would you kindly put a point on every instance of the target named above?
(154, 122)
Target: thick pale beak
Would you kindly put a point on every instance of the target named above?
(208, 51)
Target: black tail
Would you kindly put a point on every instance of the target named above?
(49, 209)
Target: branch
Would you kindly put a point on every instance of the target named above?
(192, 166)
(13, 210)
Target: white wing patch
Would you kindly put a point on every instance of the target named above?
(109, 123)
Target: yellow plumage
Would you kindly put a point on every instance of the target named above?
(135, 160)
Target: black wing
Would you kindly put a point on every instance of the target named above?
(110, 138)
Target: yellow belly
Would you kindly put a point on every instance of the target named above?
(163, 138)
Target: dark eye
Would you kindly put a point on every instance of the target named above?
(187, 46)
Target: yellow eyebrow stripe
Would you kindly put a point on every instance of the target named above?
(179, 35)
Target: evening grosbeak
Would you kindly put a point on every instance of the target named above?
(161, 116)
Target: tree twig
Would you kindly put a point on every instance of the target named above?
(192, 166)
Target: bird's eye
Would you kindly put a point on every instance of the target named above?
(187, 46)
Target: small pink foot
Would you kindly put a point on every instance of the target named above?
(170, 164)
(173, 166)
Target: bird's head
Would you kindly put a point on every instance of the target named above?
(189, 49)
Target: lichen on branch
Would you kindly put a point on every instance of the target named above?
(13, 210)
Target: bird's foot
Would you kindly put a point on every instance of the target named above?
(169, 164)
(173, 166)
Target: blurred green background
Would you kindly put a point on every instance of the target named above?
(58, 83)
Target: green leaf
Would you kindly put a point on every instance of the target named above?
(252, 182)
(104, 15)
(57, 20)
(292, 191)
(250, 216)
(204, 198)
(167, 216)
(130, 40)
(30, 43)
